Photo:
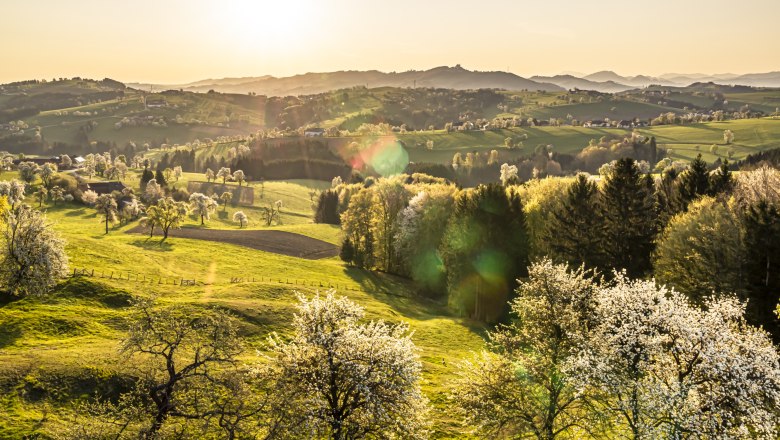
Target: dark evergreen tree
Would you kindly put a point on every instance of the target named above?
(629, 219)
(327, 209)
(575, 230)
(485, 249)
(160, 178)
(347, 253)
(762, 265)
(653, 150)
(145, 178)
(693, 182)
(721, 180)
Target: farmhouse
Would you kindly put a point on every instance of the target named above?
(103, 187)
(314, 132)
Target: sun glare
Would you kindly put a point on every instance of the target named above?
(270, 24)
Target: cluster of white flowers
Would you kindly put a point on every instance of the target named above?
(373, 367)
(33, 258)
(508, 173)
(633, 354)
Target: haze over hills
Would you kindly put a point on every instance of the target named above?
(456, 78)
(312, 83)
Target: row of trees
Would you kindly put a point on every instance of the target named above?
(471, 244)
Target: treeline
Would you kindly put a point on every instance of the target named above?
(471, 245)
(267, 159)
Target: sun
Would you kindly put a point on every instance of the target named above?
(270, 23)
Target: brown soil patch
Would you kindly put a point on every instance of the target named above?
(278, 242)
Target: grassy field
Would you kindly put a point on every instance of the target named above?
(64, 346)
(751, 135)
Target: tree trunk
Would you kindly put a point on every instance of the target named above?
(106, 224)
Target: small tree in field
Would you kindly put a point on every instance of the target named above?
(28, 171)
(226, 197)
(33, 255)
(350, 380)
(47, 172)
(166, 214)
(177, 173)
(57, 194)
(240, 217)
(89, 197)
(209, 175)
(239, 177)
(202, 205)
(41, 195)
(107, 208)
(728, 136)
(183, 348)
(224, 174)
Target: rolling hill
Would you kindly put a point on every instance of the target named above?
(313, 83)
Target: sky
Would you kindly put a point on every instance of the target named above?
(179, 41)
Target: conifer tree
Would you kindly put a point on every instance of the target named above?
(762, 264)
(721, 180)
(574, 233)
(693, 183)
(347, 253)
(630, 219)
(485, 248)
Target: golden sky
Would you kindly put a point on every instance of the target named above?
(178, 41)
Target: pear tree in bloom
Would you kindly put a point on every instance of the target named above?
(177, 172)
(508, 174)
(521, 387)
(89, 197)
(33, 257)
(209, 175)
(240, 217)
(13, 191)
(166, 214)
(107, 209)
(239, 177)
(662, 368)
(349, 379)
(153, 192)
(202, 205)
(224, 174)
(28, 171)
(47, 172)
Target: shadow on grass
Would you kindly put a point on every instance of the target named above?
(6, 298)
(11, 332)
(153, 244)
(76, 212)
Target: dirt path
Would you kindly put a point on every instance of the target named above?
(278, 242)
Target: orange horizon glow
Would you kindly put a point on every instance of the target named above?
(177, 41)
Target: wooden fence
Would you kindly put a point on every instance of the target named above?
(184, 282)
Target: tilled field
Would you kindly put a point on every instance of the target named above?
(279, 242)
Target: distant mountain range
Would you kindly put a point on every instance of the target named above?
(456, 78)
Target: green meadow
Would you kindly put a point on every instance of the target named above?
(64, 346)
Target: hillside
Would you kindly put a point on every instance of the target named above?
(314, 83)
(64, 346)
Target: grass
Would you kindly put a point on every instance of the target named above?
(751, 135)
(63, 346)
